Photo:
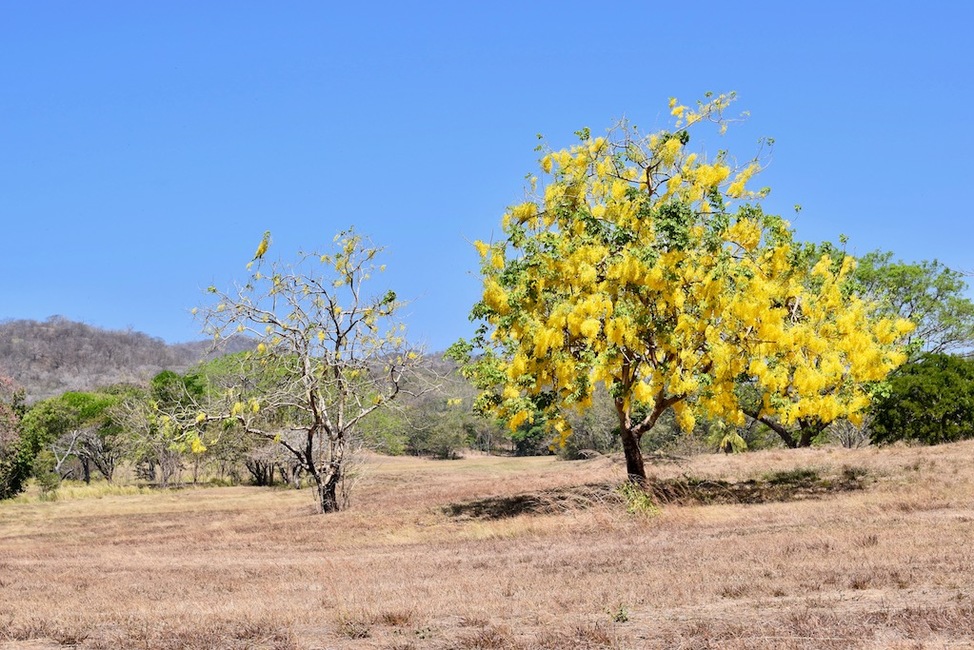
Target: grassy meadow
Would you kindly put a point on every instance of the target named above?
(820, 548)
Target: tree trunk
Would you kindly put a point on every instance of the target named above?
(777, 427)
(328, 492)
(106, 466)
(809, 430)
(635, 469)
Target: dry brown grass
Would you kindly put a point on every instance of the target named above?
(539, 563)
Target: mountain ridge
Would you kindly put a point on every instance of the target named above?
(57, 355)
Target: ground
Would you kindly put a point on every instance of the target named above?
(820, 548)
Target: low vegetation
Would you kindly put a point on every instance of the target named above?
(813, 548)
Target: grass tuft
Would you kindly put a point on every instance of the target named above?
(354, 625)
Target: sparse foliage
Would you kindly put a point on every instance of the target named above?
(329, 352)
(157, 441)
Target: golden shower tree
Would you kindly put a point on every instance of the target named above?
(644, 266)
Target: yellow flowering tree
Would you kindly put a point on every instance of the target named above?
(328, 352)
(641, 265)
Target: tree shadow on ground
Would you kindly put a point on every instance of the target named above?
(791, 485)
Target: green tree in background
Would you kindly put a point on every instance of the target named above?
(16, 453)
(926, 293)
(930, 295)
(76, 431)
(930, 400)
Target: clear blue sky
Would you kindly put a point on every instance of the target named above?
(145, 147)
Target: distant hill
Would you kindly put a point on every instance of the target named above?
(57, 355)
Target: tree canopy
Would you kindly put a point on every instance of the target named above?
(927, 293)
(930, 400)
(638, 264)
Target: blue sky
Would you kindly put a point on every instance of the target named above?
(145, 147)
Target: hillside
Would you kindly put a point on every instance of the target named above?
(58, 355)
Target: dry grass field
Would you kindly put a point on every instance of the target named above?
(824, 548)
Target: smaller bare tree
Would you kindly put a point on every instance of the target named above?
(101, 449)
(849, 435)
(327, 353)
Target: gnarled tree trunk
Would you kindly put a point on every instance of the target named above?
(328, 493)
(329, 469)
(635, 468)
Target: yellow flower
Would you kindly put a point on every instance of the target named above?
(711, 175)
(590, 328)
(495, 297)
(524, 211)
(518, 419)
(671, 150)
(684, 416)
(517, 367)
